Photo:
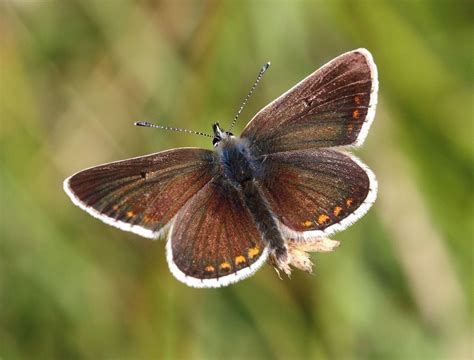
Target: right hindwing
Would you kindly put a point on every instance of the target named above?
(314, 193)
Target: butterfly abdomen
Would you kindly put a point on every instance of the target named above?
(263, 217)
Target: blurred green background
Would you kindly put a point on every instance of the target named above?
(75, 75)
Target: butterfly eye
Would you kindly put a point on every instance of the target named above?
(215, 141)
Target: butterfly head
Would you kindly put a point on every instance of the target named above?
(219, 134)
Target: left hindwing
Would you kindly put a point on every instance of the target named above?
(214, 240)
(314, 193)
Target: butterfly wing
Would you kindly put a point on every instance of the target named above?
(142, 194)
(214, 241)
(333, 106)
(317, 192)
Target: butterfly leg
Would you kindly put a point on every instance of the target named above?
(280, 260)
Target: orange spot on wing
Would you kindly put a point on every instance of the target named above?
(349, 202)
(337, 210)
(225, 266)
(357, 100)
(355, 114)
(130, 214)
(350, 127)
(209, 268)
(322, 219)
(253, 252)
(239, 260)
(307, 223)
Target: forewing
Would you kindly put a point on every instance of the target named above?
(334, 106)
(317, 192)
(142, 194)
(214, 241)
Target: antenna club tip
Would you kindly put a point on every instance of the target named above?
(266, 66)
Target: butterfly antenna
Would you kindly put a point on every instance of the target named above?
(150, 125)
(259, 76)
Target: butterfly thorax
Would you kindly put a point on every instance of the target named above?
(236, 161)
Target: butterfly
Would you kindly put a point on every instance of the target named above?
(275, 193)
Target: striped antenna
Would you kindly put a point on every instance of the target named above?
(150, 125)
(259, 76)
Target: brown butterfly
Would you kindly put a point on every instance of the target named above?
(278, 190)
